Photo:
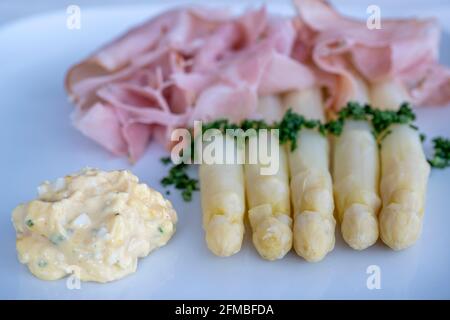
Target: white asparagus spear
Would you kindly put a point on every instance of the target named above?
(223, 204)
(270, 108)
(268, 198)
(311, 184)
(387, 94)
(356, 178)
(404, 174)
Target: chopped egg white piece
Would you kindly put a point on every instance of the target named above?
(81, 221)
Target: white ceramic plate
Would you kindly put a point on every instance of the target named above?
(39, 143)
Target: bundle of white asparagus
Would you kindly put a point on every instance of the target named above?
(356, 178)
(356, 184)
(311, 185)
(404, 173)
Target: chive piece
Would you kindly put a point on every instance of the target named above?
(166, 160)
(56, 239)
(441, 156)
(29, 223)
(335, 127)
(423, 137)
(42, 263)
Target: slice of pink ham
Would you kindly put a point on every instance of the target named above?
(102, 116)
(182, 65)
(121, 117)
(404, 49)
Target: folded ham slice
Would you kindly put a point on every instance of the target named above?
(183, 65)
(203, 64)
(405, 49)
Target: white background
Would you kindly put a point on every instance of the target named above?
(38, 143)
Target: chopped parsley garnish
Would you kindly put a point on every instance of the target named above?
(166, 160)
(29, 223)
(352, 111)
(253, 124)
(161, 230)
(292, 123)
(383, 119)
(423, 137)
(441, 156)
(380, 119)
(355, 111)
(335, 127)
(179, 178)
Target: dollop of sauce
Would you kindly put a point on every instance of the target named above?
(95, 224)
